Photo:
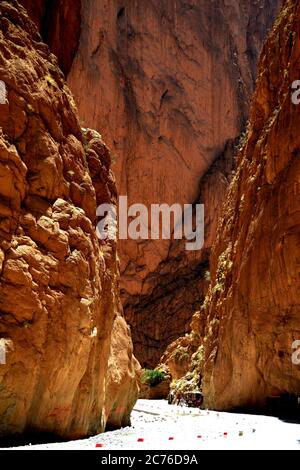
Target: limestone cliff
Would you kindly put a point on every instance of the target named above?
(168, 83)
(251, 315)
(67, 345)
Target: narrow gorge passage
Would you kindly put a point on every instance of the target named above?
(149, 225)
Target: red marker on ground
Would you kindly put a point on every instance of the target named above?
(171, 438)
(199, 437)
(99, 444)
(140, 439)
(225, 434)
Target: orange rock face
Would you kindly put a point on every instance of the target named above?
(168, 84)
(68, 347)
(123, 377)
(253, 307)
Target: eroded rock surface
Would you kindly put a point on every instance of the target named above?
(168, 83)
(253, 309)
(59, 22)
(60, 312)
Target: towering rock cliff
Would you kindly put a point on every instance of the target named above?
(168, 83)
(251, 316)
(67, 345)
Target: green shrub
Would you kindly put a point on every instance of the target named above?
(153, 377)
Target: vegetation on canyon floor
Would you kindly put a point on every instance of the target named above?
(153, 377)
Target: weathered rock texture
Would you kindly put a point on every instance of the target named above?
(69, 349)
(59, 22)
(253, 305)
(168, 84)
(158, 392)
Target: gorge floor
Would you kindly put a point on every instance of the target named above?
(159, 426)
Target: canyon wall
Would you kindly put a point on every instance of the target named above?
(251, 316)
(168, 84)
(69, 367)
(59, 23)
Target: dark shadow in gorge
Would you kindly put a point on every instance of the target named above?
(160, 317)
(29, 438)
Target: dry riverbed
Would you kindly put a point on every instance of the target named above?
(157, 425)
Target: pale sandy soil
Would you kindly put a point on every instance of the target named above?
(155, 422)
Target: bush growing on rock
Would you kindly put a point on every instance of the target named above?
(153, 377)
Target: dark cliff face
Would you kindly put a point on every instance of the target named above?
(251, 315)
(168, 86)
(59, 23)
(69, 367)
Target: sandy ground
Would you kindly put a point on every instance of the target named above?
(157, 426)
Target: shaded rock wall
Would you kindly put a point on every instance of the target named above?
(60, 313)
(168, 83)
(253, 306)
(59, 22)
